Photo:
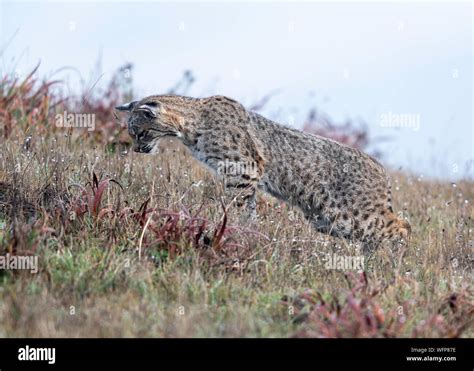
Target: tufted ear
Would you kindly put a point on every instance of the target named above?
(149, 108)
(127, 106)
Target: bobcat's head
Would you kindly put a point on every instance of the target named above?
(149, 121)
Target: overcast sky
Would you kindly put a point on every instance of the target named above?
(379, 63)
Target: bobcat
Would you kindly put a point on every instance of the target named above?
(340, 190)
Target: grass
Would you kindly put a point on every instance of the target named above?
(131, 245)
(113, 264)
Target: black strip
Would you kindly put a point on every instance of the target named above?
(90, 352)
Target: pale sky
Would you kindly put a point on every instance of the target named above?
(364, 61)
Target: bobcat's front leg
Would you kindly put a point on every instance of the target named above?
(239, 163)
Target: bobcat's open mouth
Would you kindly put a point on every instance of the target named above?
(142, 148)
(150, 147)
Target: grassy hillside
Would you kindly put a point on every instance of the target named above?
(136, 245)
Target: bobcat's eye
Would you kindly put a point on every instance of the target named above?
(149, 115)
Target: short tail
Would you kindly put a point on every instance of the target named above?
(398, 228)
(404, 229)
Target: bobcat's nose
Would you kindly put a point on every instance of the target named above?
(132, 131)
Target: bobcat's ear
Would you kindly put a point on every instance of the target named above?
(127, 106)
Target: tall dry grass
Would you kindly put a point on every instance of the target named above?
(134, 245)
